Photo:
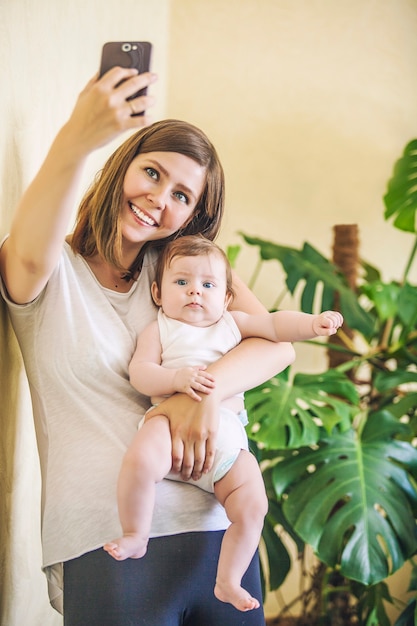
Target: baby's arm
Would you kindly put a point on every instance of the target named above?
(149, 377)
(288, 325)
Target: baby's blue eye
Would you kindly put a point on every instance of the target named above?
(208, 285)
(181, 282)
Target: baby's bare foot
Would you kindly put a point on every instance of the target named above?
(237, 596)
(126, 547)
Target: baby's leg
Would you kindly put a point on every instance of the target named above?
(242, 493)
(146, 462)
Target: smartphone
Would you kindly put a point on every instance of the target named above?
(127, 54)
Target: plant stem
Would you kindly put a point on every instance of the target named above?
(279, 299)
(255, 274)
(347, 341)
(410, 261)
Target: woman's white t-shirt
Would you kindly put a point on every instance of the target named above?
(77, 339)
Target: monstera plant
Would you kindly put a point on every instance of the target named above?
(338, 449)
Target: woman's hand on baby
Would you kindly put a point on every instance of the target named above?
(189, 380)
(102, 110)
(193, 428)
(327, 323)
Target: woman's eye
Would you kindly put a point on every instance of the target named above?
(151, 172)
(181, 196)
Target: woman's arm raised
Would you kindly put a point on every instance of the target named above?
(41, 220)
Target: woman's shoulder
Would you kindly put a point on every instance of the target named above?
(151, 256)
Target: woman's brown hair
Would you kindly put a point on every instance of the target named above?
(98, 228)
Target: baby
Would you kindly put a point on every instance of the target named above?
(193, 288)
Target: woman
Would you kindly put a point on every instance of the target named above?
(74, 304)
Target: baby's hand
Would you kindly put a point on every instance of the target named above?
(192, 379)
(327, 323)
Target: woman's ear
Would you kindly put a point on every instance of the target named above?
(155, 294)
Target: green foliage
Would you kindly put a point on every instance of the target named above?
(337, 449)
(352, 498)
(309, 266)
(282, 414)
(401, 196)
(371, 606)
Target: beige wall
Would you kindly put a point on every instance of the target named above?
(308, 101)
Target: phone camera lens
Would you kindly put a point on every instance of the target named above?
(126, 47)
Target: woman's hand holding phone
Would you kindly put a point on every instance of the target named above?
(129, 54)
(103, 111)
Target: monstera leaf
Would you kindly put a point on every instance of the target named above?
(398, 303)
(279, 560)
(385, 381)
(315, 270)
(268, 250)
(283, 415)
(352, 498)
(399, 404)
(401, 196)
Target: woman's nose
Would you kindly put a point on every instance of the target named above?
(158, 198)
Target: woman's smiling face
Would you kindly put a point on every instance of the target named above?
(161, 191)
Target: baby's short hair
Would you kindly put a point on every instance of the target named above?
(191, 245)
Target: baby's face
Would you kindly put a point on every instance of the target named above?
(193, 289)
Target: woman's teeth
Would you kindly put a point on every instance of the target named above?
(142, 216)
